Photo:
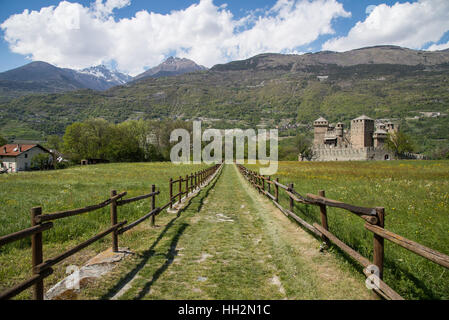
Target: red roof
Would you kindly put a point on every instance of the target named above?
(13, 150)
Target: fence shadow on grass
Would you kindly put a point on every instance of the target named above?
(145, 256)
(170, 257)
(194, 205)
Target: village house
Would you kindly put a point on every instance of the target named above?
(17, 157)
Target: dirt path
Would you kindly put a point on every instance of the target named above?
(238, 246)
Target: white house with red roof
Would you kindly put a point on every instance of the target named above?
(17, 157)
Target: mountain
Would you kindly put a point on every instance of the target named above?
(42, 77)
(271, 90)
(104, 78)
(171, 67)
(365, 56)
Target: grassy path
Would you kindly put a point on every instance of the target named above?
(233, 245)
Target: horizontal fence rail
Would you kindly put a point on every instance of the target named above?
(74, 212)
(42, 269)
(374, 218)
(25, 233)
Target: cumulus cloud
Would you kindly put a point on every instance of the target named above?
(436, 47)
(412, 25)
(72, 35)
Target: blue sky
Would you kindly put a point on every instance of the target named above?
(134, 35)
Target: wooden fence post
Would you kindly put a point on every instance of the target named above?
(276, 191)
(196, 180)
(37, 254)
(291, 199)
(191, 182)
(171, 193)
(323, 213)
(187, 185)
(269, 185)
(114, 222)
(153, 204)
(180, 189)
(263, 183)
(379, 243)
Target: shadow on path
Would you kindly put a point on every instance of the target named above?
(171, 254)
(195, 204)
(146, 255)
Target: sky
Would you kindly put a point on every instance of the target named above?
(134, 35)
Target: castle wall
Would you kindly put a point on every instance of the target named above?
(326, 153)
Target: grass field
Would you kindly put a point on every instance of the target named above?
(69, 189)
(415, 195)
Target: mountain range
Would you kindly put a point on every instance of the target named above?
(42, 77)
(272, 90)
(365, 56)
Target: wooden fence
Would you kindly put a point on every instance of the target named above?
(190, 182)
(374, 222)
(41, 222)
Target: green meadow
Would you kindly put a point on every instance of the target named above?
(415, 195)
(72, 188)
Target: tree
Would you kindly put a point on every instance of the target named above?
(123, 146)
(399, 143)
(41, 161)
(3, 141)
(89, 139)
(54, 142)
(304, 146)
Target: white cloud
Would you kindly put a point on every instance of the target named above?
(436, 47)
(74, 36)
(411, 25)
(106, 8)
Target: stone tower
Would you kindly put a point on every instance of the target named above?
(339, 131)
(362, 130)
(380, 136)
(320, 128)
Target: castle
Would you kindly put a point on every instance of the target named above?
(365, 140)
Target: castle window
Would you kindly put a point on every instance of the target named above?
(387, 157)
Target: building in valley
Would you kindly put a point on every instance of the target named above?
(17, 157)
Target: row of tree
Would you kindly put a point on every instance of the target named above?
(129, 141)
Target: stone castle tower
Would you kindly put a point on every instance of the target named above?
(362, 130)
(320, 129)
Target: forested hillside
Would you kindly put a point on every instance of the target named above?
(268, 90)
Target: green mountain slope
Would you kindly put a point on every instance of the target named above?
(270, 89)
